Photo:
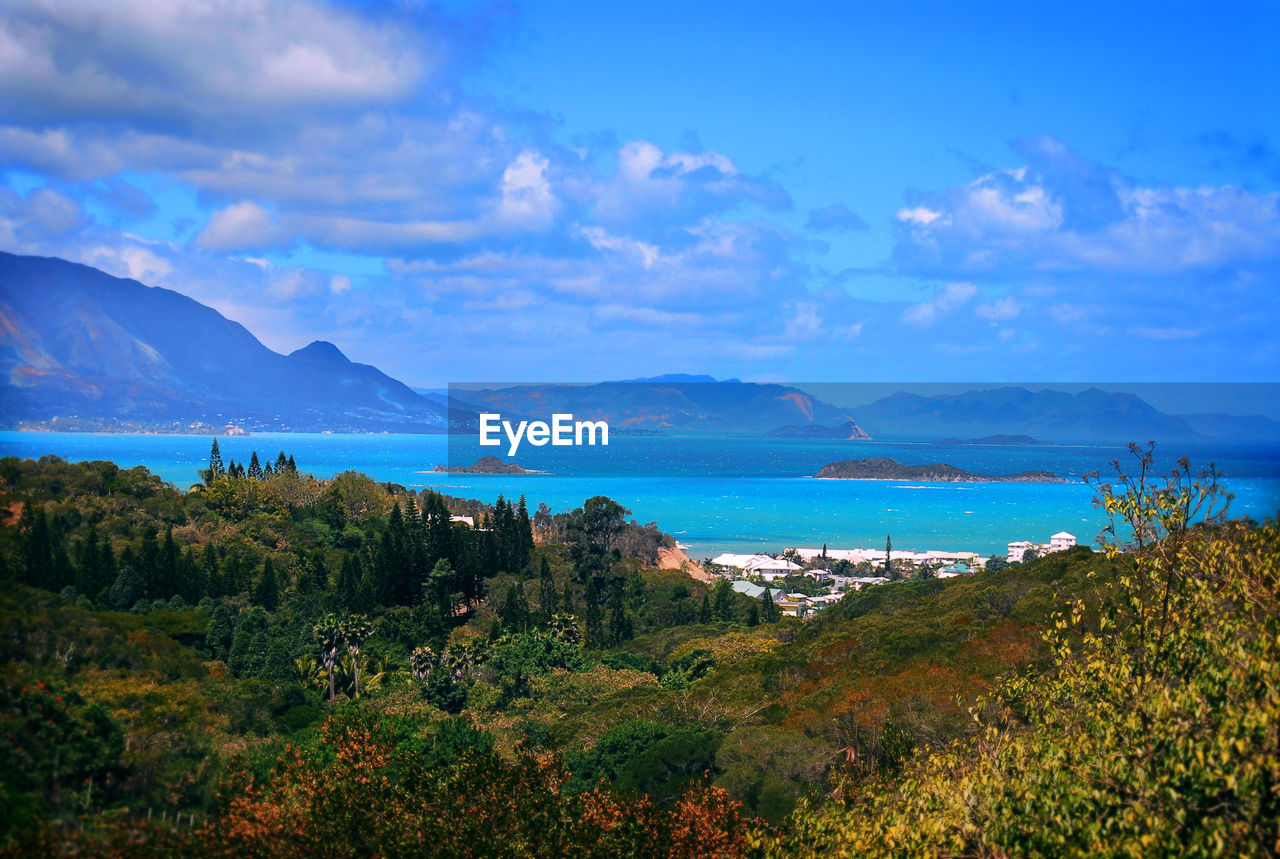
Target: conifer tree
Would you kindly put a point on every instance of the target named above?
(267, 594)
(349, 579)
(211, 571)
(148, 564)
(127, 589)
(216, 468)
(167, 568)
(722, 601)
(704, 615)
(619, 620)
(546, 592)
(191, 581)
(89, 574)
(249, 643)
(888, 553)
(566, 601)
(282, 464)
(217, 636)
(232, 579)
(37, 545)
(595, 623)
(255, 467)
(770, 613)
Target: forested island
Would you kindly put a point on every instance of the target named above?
(268, 663)
(1005, 440)
(485, 465)
(891, 469)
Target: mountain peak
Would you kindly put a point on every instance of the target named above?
(321, 351)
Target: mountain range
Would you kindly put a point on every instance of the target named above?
(80, 349)
(677, 403)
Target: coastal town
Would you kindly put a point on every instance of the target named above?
(803, 581)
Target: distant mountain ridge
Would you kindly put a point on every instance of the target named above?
(80, 346)
(1089, 415)
(666, 403)
(80, 349)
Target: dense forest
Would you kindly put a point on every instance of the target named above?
(267, 663)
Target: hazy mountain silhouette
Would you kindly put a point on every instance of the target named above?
(79, 346)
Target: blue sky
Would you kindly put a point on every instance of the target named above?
(578, 191)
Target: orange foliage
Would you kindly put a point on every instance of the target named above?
(364, 796)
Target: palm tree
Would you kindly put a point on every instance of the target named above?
(422, 660)
(355, 630)
(328, 634)
(307, 672)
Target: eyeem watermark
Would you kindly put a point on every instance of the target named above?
(563, 431)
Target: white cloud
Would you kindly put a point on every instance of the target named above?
(947, 299)
(1171, 333)
(527, 199)
(645, 316)
(919, 216)
(197, 58)
(1000, 310)
(240, 226)
(804, 324)
(1064, 213)
(601, 239)
(131, 261)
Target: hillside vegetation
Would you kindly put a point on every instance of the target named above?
(270, 663)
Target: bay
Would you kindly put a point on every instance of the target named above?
(718, 494)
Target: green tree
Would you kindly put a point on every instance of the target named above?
(249, 643)
(590, 534)
(595, 623)
(1151, 733)
(546, 592)
(355, 630)
(722, 601)
(327, 633)
(127, 589)
(255, 467)
(219, 632)
(267, 593)
(216, 469)
(619, 618)
(770, 614)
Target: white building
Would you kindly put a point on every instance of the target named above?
(770, 569)
(729, 559)
(1018, 548)
(1061, 541)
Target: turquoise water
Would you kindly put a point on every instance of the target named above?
(721, 494)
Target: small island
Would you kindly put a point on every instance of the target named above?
(485, 465)
(848, 431)
(889, 469)
(993, 440)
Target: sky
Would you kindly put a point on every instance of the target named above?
(578, 191)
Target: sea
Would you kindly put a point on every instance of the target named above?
(726, 494)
